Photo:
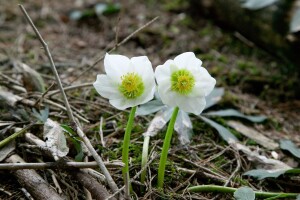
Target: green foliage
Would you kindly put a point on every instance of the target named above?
(41, 115)
(257, 4)
(98, 10)
(235, 113)
(295, 23)
(244, 193)
(223, 132)
(262, 173)
(291, 147)
(76, 140)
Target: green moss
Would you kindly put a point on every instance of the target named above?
(175, 5)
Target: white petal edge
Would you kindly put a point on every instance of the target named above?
(142, 66)
(193, 64)
(116, 66)
(163, 72)
(205, 80)
(167, 96)
(191, 105)
(106, 88)
(120, 104)
(182, 60)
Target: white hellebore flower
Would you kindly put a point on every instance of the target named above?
(184, 83)
(128, 82)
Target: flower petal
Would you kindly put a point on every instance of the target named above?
(142, 65)
(116, 66)
(106, 88)
(163, 72)
(183, 59)
(206, 82)
(193, 64)
(167, 96)
(191, 105)
(146, 96)
(120, 104)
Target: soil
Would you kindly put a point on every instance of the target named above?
(255, 83)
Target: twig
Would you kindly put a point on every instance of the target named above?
(115, 47)
(32, 181)
(101, 132)
(54, 92)
(206, 171)
(6, 192)
(98, 159)
(238, 167)
(87, 142)
(117, 30)
(154, 156)
(185, 182)
(97, 190)
(56, 165)
(48, 101)
(54, 179)
(232, 174)
(41, 97)
(45, 45)
(16, 134)
(27, 194)
(88, 195)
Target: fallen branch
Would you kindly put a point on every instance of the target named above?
(33, 182)
(56, 165)
(97, 190)
(54, 92)
(87, 142)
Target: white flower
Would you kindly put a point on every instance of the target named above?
(184, 83)
(128, 82)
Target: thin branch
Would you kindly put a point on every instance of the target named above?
(45, 45)
(153, 157)
(54, 92)
(52, 103)
(43, 95)
(87, 142)
(56, 165)
(115, 47)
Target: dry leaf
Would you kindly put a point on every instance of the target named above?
(254, 135)
(55, 139)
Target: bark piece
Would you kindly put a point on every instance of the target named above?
(33, 182)
(97, 190)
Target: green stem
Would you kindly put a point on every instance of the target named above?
(15, 135)
(125, 151)
(222, 189)
(145, 157)
(165, 149)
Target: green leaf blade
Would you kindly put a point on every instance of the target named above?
(244, 193)
(223, 132)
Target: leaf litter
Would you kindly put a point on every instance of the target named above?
(204, 143)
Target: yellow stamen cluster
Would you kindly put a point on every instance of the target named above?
(182, 81)
(132, 85)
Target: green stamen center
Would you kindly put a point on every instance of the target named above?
(182, 81)
(132, 85)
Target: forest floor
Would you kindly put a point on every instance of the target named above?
(255, 83)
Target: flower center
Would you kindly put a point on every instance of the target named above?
(132, 85)
(182, 81)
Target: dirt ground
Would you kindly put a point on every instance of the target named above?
(255, 83)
